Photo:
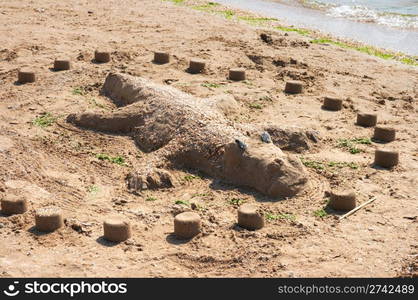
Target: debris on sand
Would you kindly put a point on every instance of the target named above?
(265, 137)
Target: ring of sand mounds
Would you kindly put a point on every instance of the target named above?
(366, 119)
(26, 75)
(13, 205)
(161, 57)
(384, 134)
(48, 219)
(116, 230)
(250, 217)
(62, 64)
(237, 74)
(332, 104)
(101, 56)
(187, 225)
(196, 66)
(342, 200)
(293, 87)
(386, 158)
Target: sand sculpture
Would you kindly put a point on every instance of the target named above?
(180, 130)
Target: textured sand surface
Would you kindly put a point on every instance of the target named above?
(58, 164)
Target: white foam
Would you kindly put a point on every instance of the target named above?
(364, 14)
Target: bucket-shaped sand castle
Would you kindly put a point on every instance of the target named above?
(13, 205)
(250, 217)
(48, 219)
(187, 225)
(116, 229)
(342, 200)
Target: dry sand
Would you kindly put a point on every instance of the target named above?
(57, 165)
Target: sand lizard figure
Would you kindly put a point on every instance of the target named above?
(180, 130)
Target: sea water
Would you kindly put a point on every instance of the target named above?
(393, 13)
(390, 24)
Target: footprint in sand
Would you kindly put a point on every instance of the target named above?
(30, 189)
(5, 143)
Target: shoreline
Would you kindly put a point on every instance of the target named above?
(323, 6)
(266, 21)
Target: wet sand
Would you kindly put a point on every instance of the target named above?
(394, 39)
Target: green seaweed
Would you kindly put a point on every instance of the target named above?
(343, 164)
(183, 202)
(175, 1)
(190, 178)
(321, 165)
(206, 7)
(212, 85)
(293, 29)
(44, 120)
(350, 144)
(119, 160)
(93, 189)
(320, 213)
(227, 14)
(370, 51)
(312, 164)
(255, 106)
(273, 217)
(79, 90)
(255, 20)
(236, 201)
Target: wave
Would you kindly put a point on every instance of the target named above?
(365, 14)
